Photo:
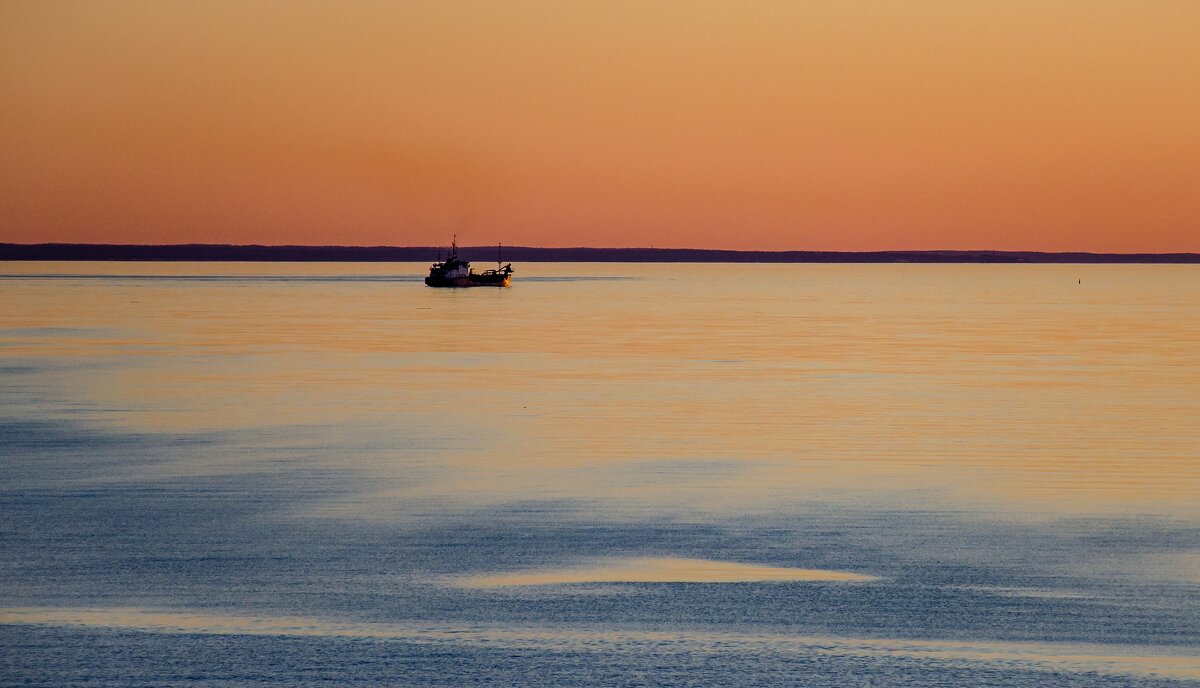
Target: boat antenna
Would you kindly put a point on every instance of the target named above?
(497, 256)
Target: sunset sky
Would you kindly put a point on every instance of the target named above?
(837, 125)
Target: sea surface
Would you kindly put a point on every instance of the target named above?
(239, 474)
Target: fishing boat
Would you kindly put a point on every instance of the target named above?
(454, 272)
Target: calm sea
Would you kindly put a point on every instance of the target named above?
(608, 474)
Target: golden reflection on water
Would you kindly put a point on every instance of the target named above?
(659, 570)
(1013, 389)
(1181, 663)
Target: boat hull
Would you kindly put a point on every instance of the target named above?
(470, 281)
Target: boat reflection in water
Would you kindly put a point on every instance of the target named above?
(458, 273)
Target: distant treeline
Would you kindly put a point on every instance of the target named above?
(482, 254)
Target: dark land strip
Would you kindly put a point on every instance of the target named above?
(226, 252)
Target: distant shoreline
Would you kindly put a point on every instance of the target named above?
(482, 254)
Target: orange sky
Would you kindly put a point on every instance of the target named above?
(836, 125)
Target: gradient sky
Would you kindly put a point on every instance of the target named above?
(837, 125)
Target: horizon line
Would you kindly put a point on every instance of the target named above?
(205, 244)
(204, 252)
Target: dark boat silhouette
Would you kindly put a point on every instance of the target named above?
(454, 272)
